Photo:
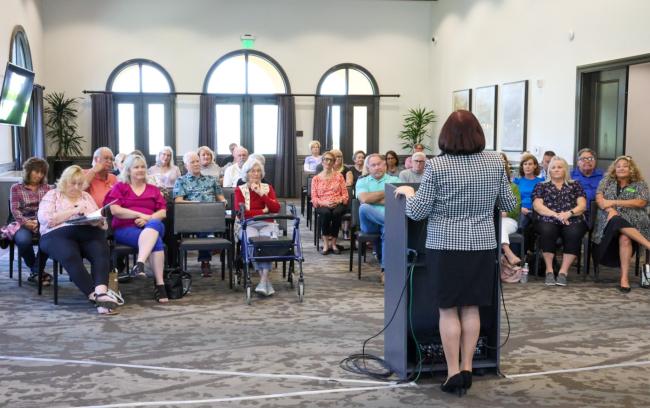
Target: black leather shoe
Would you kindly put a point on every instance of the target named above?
(454, 385)
(624, 289)
(467, 378)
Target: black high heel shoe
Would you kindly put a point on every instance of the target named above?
(467, 378)
(454, 385)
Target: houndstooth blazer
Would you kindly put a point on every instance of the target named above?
(458, 194)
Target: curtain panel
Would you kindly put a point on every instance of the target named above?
(286, 156)
(30, 140)
(208, 121)
(322, 129)
(103, 132)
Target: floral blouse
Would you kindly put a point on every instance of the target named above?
(559, 200)
(638, 217)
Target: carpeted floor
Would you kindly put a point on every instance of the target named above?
(210, 349)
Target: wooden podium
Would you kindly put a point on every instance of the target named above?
(402, 234)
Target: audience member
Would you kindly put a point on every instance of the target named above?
(118, 163)
(370, 192)
(528, 172)
(196, 187)
(138, 211)
(311, 162)
(329, 196)
(262, 160)
(392, 164)
(233, 173)
(414, 173)
(24, 199)
(69, 244)
(509, 220)
(208, 165)
(100, 178)
(560, 204)
(622, 222)
(228, 160)
(546, 159)
(258, 198)
(587, 174)
(418, 147)
(357, 167)
(165, 171)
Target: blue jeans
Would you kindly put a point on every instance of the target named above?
(371, 221)
(23, 239)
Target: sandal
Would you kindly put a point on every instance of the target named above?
(105, 300)
(160, 293)
(103, 311)
(336, 250)
(325, 251)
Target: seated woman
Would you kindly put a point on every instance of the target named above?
(339, 167)
(258, 198)
(392, 164)
(526, 182)
(560, 204)
(329, 196)
(138, 210)
(509, 219)
(69, 244)
(208, 166)
(311, 162)
(24, 199)
(357, 167)
(165, 171)
(622, 221)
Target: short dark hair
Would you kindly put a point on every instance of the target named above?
(550, 153)
(461, 134)
(34, 163)
(392, 152)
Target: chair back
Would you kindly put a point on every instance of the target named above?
(354, 223)
(192, 218)
(593, 212)
(229, 195)
(309, 179)
(283, 222)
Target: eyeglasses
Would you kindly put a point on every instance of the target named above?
(587, 159)
(328, 159)
(419, 161)
(338, 157)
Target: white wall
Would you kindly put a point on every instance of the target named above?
(638, 121)
(486, 42)
(26, 13)
(86, 39)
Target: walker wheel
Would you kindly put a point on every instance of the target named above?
(248, 295)
(301, 291)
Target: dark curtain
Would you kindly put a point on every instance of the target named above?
(103, 122)
(322, 129)
(30, 140)
(373, 144)
(285, 163)
(208, 121)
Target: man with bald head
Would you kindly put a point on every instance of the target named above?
(233, 172)
(100, 177)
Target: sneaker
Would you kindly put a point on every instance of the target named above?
(138, 270)
(269, 288)
(550, 279)
(561, 279)
(261, 289)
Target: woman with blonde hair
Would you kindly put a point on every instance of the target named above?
(208, 165)
(165, 171)
(622, 222)
(138, 209)
(560, 204)
(68, 243)
(312, 162)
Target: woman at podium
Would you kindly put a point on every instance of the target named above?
(458, 194)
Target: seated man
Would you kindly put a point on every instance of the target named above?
(415, 172)
(233, 173)
(195, 187)
(587, 174)
(100, 178)
(230, 159)
(370, 192)
(418, 147)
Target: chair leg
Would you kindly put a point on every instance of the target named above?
(360, 250)
(352, 240)
(56, 284)
(11, 261)
(223, 264)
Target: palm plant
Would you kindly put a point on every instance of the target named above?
(61, 124)
(416, 124)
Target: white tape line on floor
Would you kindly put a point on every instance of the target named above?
(575, 370)
(248, 398)
(195, 371)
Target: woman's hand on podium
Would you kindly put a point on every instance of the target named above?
(406, 191)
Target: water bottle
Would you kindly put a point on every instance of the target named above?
(524, 273)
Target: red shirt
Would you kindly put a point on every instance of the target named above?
(256, 203)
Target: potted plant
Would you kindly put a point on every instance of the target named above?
(416, 124)
(61, 124)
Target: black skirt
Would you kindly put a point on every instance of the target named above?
(462, 278)
(607, 251)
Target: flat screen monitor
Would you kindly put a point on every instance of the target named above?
(16, 95)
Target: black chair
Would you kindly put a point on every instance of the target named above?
(197, 218)
(517, 238)
(117, 250)
(309, 206)
(538, 252)
(358, 236)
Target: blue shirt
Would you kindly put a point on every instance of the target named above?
(526, 187)
(201, 188)
(588, 183)
(369, 184)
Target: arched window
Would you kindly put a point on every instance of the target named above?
(144, 107)
(246, 84)
(352, 103)
(21, 55)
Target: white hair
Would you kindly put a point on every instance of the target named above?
(99, 151)
(169, 150)
(248, 166)
(186, 157)
(420, 155)
(260, 158)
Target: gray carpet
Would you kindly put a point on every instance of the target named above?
(210, 346)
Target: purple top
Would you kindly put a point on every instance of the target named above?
(150, 201)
